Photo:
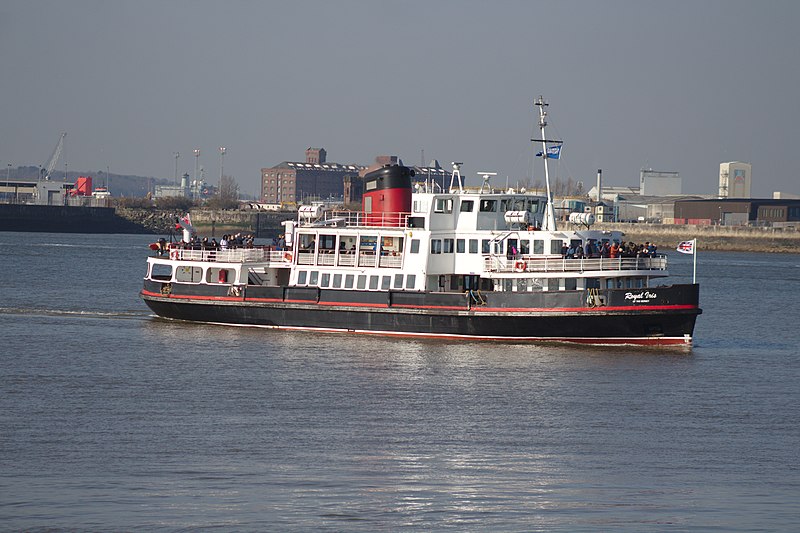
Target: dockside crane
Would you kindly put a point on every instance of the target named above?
(51, 165)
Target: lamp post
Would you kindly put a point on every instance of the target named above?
(8, 178)
(177, 155)
(222, 151)
(196, 153)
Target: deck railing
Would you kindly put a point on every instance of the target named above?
(500, 264)
(235, 255)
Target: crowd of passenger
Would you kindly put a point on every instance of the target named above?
(610, 250)
(226, 242)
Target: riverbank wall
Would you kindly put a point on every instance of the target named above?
(717, 238)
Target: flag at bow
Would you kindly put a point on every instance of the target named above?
(553, 152)
(686, 247)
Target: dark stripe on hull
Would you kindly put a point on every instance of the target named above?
(659, 324)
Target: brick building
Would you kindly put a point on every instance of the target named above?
(290, 182)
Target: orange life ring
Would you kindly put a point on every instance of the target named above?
(173, 254)
(287, 257)
(520, 266)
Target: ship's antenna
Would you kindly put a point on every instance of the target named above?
(456, 173)
(549, 223)
(486, 177)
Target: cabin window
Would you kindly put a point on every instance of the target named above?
(538, 246)
(337, 281)
(386, 283)
(555, 246)
(498, 247)
(161, 272)
(461, 246)
(592, 283)
(443, 205)
(313, 278)
(448, 246)
(525, 247)
(325, 280)
(368, 203)
(306, 242)
(570, 284)
(347, 244)
(301, 277)
(392, 246)
(414, 246)
(467, 206)
(398, 281)
(368, 244)
(436, 246)
(519, 205)
(485, 249)
(189, 274)
(411, 280)
(373, 283)
(522, 285)
(504, 205)
(419, 206)
(348, 281)
(488, 206)
(362, 282)
(473, 246)
(416, 222)
(553, 284)
(327, 244)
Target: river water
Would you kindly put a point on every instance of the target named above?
(111, 419)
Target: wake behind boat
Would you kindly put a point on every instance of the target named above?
(417, 261)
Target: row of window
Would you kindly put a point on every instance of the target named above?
(523, 246)
(568, 284)
(325, 280)
(445, 205)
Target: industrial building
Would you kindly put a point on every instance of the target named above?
(738, 212)
(659, 183)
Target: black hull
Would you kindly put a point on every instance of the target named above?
(661, 316)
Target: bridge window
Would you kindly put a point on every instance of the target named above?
(538, 246)
(448, 246)
(485, 249)
(414, 246)
(473, 246)
(467, 206)
(461, 246)
(411, 280)
(488, 206)
(443, 205)
(436, 246)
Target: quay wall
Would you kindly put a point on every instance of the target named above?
(65, 219)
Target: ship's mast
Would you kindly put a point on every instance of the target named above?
(549, 223)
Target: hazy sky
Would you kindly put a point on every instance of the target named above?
(669, 85)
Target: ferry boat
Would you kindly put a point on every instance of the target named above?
(421, 260)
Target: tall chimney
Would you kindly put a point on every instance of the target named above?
(599, 184)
